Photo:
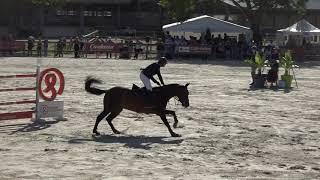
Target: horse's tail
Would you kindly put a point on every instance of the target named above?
(89, 81)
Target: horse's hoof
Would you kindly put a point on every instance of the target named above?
(117, 132)
(175, 135)
(175, 125)
(96, 133)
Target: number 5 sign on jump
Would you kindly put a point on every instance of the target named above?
(50, 77)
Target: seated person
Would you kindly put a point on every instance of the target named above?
(272, 76)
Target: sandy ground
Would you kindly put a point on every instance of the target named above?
(228, 132)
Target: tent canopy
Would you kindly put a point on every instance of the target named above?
(202, 23)
(302, 26)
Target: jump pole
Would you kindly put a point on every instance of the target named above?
(21, 114)
(37, 89)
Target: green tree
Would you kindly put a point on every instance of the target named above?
(253, 10)
(47, 2)
(179, 10)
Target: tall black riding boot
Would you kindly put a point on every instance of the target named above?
(148, 98)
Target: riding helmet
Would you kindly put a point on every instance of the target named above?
(163, 60)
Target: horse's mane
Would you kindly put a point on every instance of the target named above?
(167, 86)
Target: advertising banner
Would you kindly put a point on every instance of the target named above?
(12, 45)
(50, 109)
(194, 50)
(102, 47)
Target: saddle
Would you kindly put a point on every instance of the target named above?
(148, 96)
(138, 90)
(142, 90)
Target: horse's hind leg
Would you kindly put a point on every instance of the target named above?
(109, 119)
(99, 118)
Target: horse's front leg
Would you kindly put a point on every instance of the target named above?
(165, 121)
(174, 116)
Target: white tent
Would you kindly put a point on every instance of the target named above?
(302, 26)
(299, 32)
(200, 24)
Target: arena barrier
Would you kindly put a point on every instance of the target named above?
(42, 109)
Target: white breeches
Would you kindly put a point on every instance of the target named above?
(146, 81)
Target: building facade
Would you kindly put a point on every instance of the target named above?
(82, 16)
(115, 16)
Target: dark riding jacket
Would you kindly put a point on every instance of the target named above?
(151, 70)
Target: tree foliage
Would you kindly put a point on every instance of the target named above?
(15, 3)
(255, 8)
(252, 10)
(17, 7)
(48, 2)
(179, 10)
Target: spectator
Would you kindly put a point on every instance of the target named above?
(109, 51)
(45, 47)
(208, 36)
(64, 43)
(82, 50)
(225, 36)
(70, 44)
(30, 45)
(137, 49)
(59, 48)
(272, 75)
(76, 48)
(227, 48)
(275, 53)
(160, 49)
(183, 41)
(39, 48)
(169, 47)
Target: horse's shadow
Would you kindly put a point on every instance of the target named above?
(138, 142)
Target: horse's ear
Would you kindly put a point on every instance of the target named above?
(187, 84)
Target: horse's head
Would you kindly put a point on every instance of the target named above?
(183, 95)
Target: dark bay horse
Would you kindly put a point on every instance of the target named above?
(118, 98)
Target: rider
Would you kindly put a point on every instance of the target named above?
(151, 70)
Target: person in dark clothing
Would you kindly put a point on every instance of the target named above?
(148, 73)
(151, 70)
(82, 51)
(160, 48)
(39, 48)
(272, 75)
(137, 49)
(59, 49)
(30, 46)
(76, 48)
(45, 47)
